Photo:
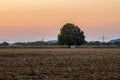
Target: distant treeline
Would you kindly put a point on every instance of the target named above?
(36, 43)
(39, 43)
(102, 43)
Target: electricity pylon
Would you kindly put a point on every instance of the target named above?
(103, 38)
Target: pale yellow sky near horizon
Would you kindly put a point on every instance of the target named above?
(29, 20)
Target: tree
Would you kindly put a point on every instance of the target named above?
(5, 44)
(71, 34)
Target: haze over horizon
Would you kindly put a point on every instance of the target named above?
(32, 20)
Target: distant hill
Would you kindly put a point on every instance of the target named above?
(52, 42)
(114, 41)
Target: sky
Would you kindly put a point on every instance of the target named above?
(32, 20)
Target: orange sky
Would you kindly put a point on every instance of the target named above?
(31, 20)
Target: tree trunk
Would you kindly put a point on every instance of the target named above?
(69, 46)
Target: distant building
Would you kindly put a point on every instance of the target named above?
(72, 46)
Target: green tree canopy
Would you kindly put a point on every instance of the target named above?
(71, 34)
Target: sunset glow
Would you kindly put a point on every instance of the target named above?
(31, 20)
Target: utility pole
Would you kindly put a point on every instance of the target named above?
(103, 39)
(42, 40)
